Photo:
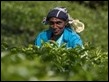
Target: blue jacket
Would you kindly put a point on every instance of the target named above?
(70, 37)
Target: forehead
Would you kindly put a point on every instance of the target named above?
(55, 19)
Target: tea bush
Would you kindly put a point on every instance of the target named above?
(54, 63)
(21, 23)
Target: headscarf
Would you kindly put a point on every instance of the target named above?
(62, 13)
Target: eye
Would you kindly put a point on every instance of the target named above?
(59, 22)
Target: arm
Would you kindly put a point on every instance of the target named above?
(75, 40)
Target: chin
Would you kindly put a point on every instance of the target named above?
(57, 33)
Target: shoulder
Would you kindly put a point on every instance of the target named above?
(70, 31)
(70, 34)
(42, 33)
(72, 37)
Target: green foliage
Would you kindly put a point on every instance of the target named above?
(51, 62)
(21, 20)
(21, 23)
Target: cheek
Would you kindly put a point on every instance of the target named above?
(62, 27)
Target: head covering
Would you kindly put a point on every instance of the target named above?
(62, 13)
(58, 13)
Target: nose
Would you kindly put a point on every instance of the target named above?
(54, 26)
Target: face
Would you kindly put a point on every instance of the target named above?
(57, 25)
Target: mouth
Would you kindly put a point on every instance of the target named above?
(55, 32)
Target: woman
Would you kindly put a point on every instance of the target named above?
(59, 29)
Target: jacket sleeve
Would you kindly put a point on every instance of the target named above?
(38, 40)
(75, 41)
